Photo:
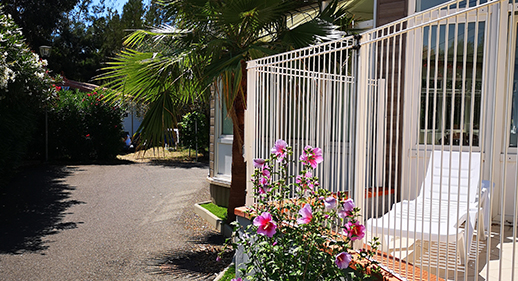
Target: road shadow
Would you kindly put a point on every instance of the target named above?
(110, 162)
(179, 163)
(33, 206)
(197, 261)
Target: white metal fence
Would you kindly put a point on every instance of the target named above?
(417, 121)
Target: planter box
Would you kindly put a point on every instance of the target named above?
(216, 222)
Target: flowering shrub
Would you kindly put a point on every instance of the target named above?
(21, 69)
(82, 126)
(306, 237)
(24, 88)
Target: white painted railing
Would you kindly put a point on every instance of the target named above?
(417, 121)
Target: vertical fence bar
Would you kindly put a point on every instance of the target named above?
(306, 99)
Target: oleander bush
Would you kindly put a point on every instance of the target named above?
(24, 87)
(83, 127)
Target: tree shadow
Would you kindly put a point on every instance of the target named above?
(33, 206)
(109, 162)
(198, 261)
(179, 163)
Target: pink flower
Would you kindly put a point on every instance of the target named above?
(266, 226)
(218, 259)
(311, 156)
(330, 203)
(343, 260)
(355, 231)
(263, 186)
(304, 180)
(259, 163)
(237, 279)
(280, 150)
(263, 181)
(348, 205)
(266, 172)
(306, 214)
(347, 208)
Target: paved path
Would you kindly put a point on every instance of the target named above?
(105, 222)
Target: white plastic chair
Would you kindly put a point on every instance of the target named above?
(447, 199)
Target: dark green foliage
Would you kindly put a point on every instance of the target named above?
(84, 43)
(92, 34)
(133, 14)
(83, 127)
(24, 87)
(194, 131)
(38, 19)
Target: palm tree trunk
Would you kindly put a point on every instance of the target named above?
(237, 197)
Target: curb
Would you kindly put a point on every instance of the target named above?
(220, 275)
(216, 222)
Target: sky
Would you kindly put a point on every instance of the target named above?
(117, 4)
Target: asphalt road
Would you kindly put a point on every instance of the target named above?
(107, 222)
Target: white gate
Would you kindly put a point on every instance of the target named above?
(418, 121)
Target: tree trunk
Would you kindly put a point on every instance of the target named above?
(237, 197)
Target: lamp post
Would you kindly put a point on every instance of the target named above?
(45, 53)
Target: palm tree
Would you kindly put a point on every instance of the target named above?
(207, 43)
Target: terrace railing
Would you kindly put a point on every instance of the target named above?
(379, 104)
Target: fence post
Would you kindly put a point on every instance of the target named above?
(250, 125)
(360, 68)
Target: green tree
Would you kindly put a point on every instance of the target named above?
(133, 14)
(90, 35)
(155, 15)
(209, 43)
(38, 19)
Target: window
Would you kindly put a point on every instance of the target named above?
(451, 84)
(226, 121)
(421, 5)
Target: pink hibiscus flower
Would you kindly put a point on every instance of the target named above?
(306, 214)
(347, 208)
(343, 260)
(330, 203)
(311, 156)
(265, 224)
(266, 172)
(304, 180)
(279, 150)
(264, 186)
(259, 163)
(355, 231)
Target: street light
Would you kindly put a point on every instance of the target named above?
(45, 53)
